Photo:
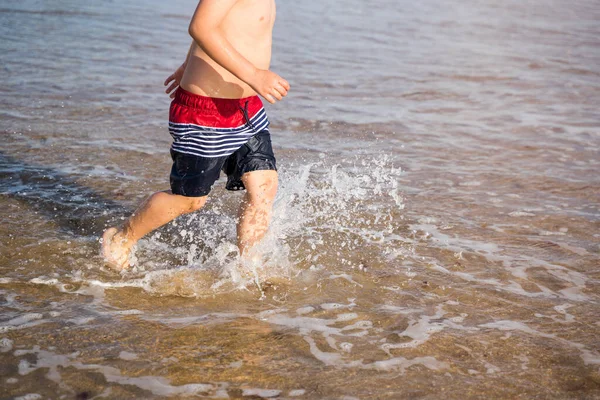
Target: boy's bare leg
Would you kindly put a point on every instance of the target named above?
(157, 210)
(255, 213)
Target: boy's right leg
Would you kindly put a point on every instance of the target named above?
(157, 210)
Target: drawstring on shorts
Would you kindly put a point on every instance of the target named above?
(244, 111)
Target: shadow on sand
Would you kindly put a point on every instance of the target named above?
(77, 209)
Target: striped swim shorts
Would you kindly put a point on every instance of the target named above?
(214, 134)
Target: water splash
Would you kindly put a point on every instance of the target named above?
(324, 213)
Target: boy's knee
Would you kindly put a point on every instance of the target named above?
(196, 203)
(270, 190)
(264, 196)
(261, 187)
(179, 203)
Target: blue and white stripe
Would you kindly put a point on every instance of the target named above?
(208, 141)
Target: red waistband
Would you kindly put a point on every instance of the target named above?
(190, 108)
(221, 105)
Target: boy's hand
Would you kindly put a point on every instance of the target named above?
(269, 85)
(174, 79)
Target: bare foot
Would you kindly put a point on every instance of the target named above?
(249, 263)
(115, 253)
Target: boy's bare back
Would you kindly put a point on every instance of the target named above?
(245, 25)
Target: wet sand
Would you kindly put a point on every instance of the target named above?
(436, 232)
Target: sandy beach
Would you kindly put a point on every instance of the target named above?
(436, 233)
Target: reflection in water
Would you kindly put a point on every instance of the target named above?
(436, 227)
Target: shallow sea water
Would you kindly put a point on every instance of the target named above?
(436, 232)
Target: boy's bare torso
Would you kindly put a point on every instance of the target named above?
(248, 27)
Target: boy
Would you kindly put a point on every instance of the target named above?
(217, 122)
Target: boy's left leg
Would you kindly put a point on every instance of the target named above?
(157, 210)
(256, 210)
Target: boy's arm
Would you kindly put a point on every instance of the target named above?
(205, 29)
(187, 57)
(175, 78)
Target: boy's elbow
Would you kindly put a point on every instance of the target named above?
(197, 33)
(193, 31)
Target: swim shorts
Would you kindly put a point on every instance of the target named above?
(212, 135)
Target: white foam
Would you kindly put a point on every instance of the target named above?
(23, 319)
(551, 233)
(157, 385)
(347, 277)
(588, 356)
(346, 347)
(29, 396)
(517, 267)
(262, 393)
(192, 320)
(44, 281)
(401, 364)
(398, 310)
(491, 368)
(521, 214)
(346, 317)
(126, 312)
(308, 326)
(422, 329)
(470, 183)
(305, 310)
(304, 324)
(568, 318)
(333, 306)
(327, 358)
(362, 326)
(81, 320)
(125, 355)
(6, 345)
